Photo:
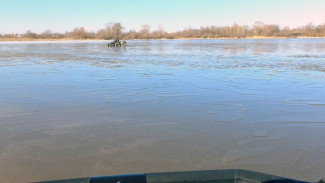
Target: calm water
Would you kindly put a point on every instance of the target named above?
(76, 109)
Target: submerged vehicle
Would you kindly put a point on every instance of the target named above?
(204, 176)
(116, 43)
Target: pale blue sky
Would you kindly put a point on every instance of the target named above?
(64, 15)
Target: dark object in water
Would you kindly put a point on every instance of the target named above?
(116, 43)
(205, 176)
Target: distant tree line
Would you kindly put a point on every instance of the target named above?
(116, 31)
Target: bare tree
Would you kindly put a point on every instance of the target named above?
(30, 34)
(46, 34)
(132, 34)
(144, 32)
(78, 33)
(258, 28)
(117, 31)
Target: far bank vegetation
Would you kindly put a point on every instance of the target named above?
(117, 31)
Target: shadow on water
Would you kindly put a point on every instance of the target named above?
(116, 51)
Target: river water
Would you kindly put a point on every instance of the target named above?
(78, 108)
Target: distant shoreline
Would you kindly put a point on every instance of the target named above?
(67, 39)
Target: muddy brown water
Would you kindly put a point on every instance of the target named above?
(77, 109)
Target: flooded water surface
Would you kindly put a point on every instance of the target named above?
(77, 109)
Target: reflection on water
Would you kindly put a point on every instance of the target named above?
(75, 109)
